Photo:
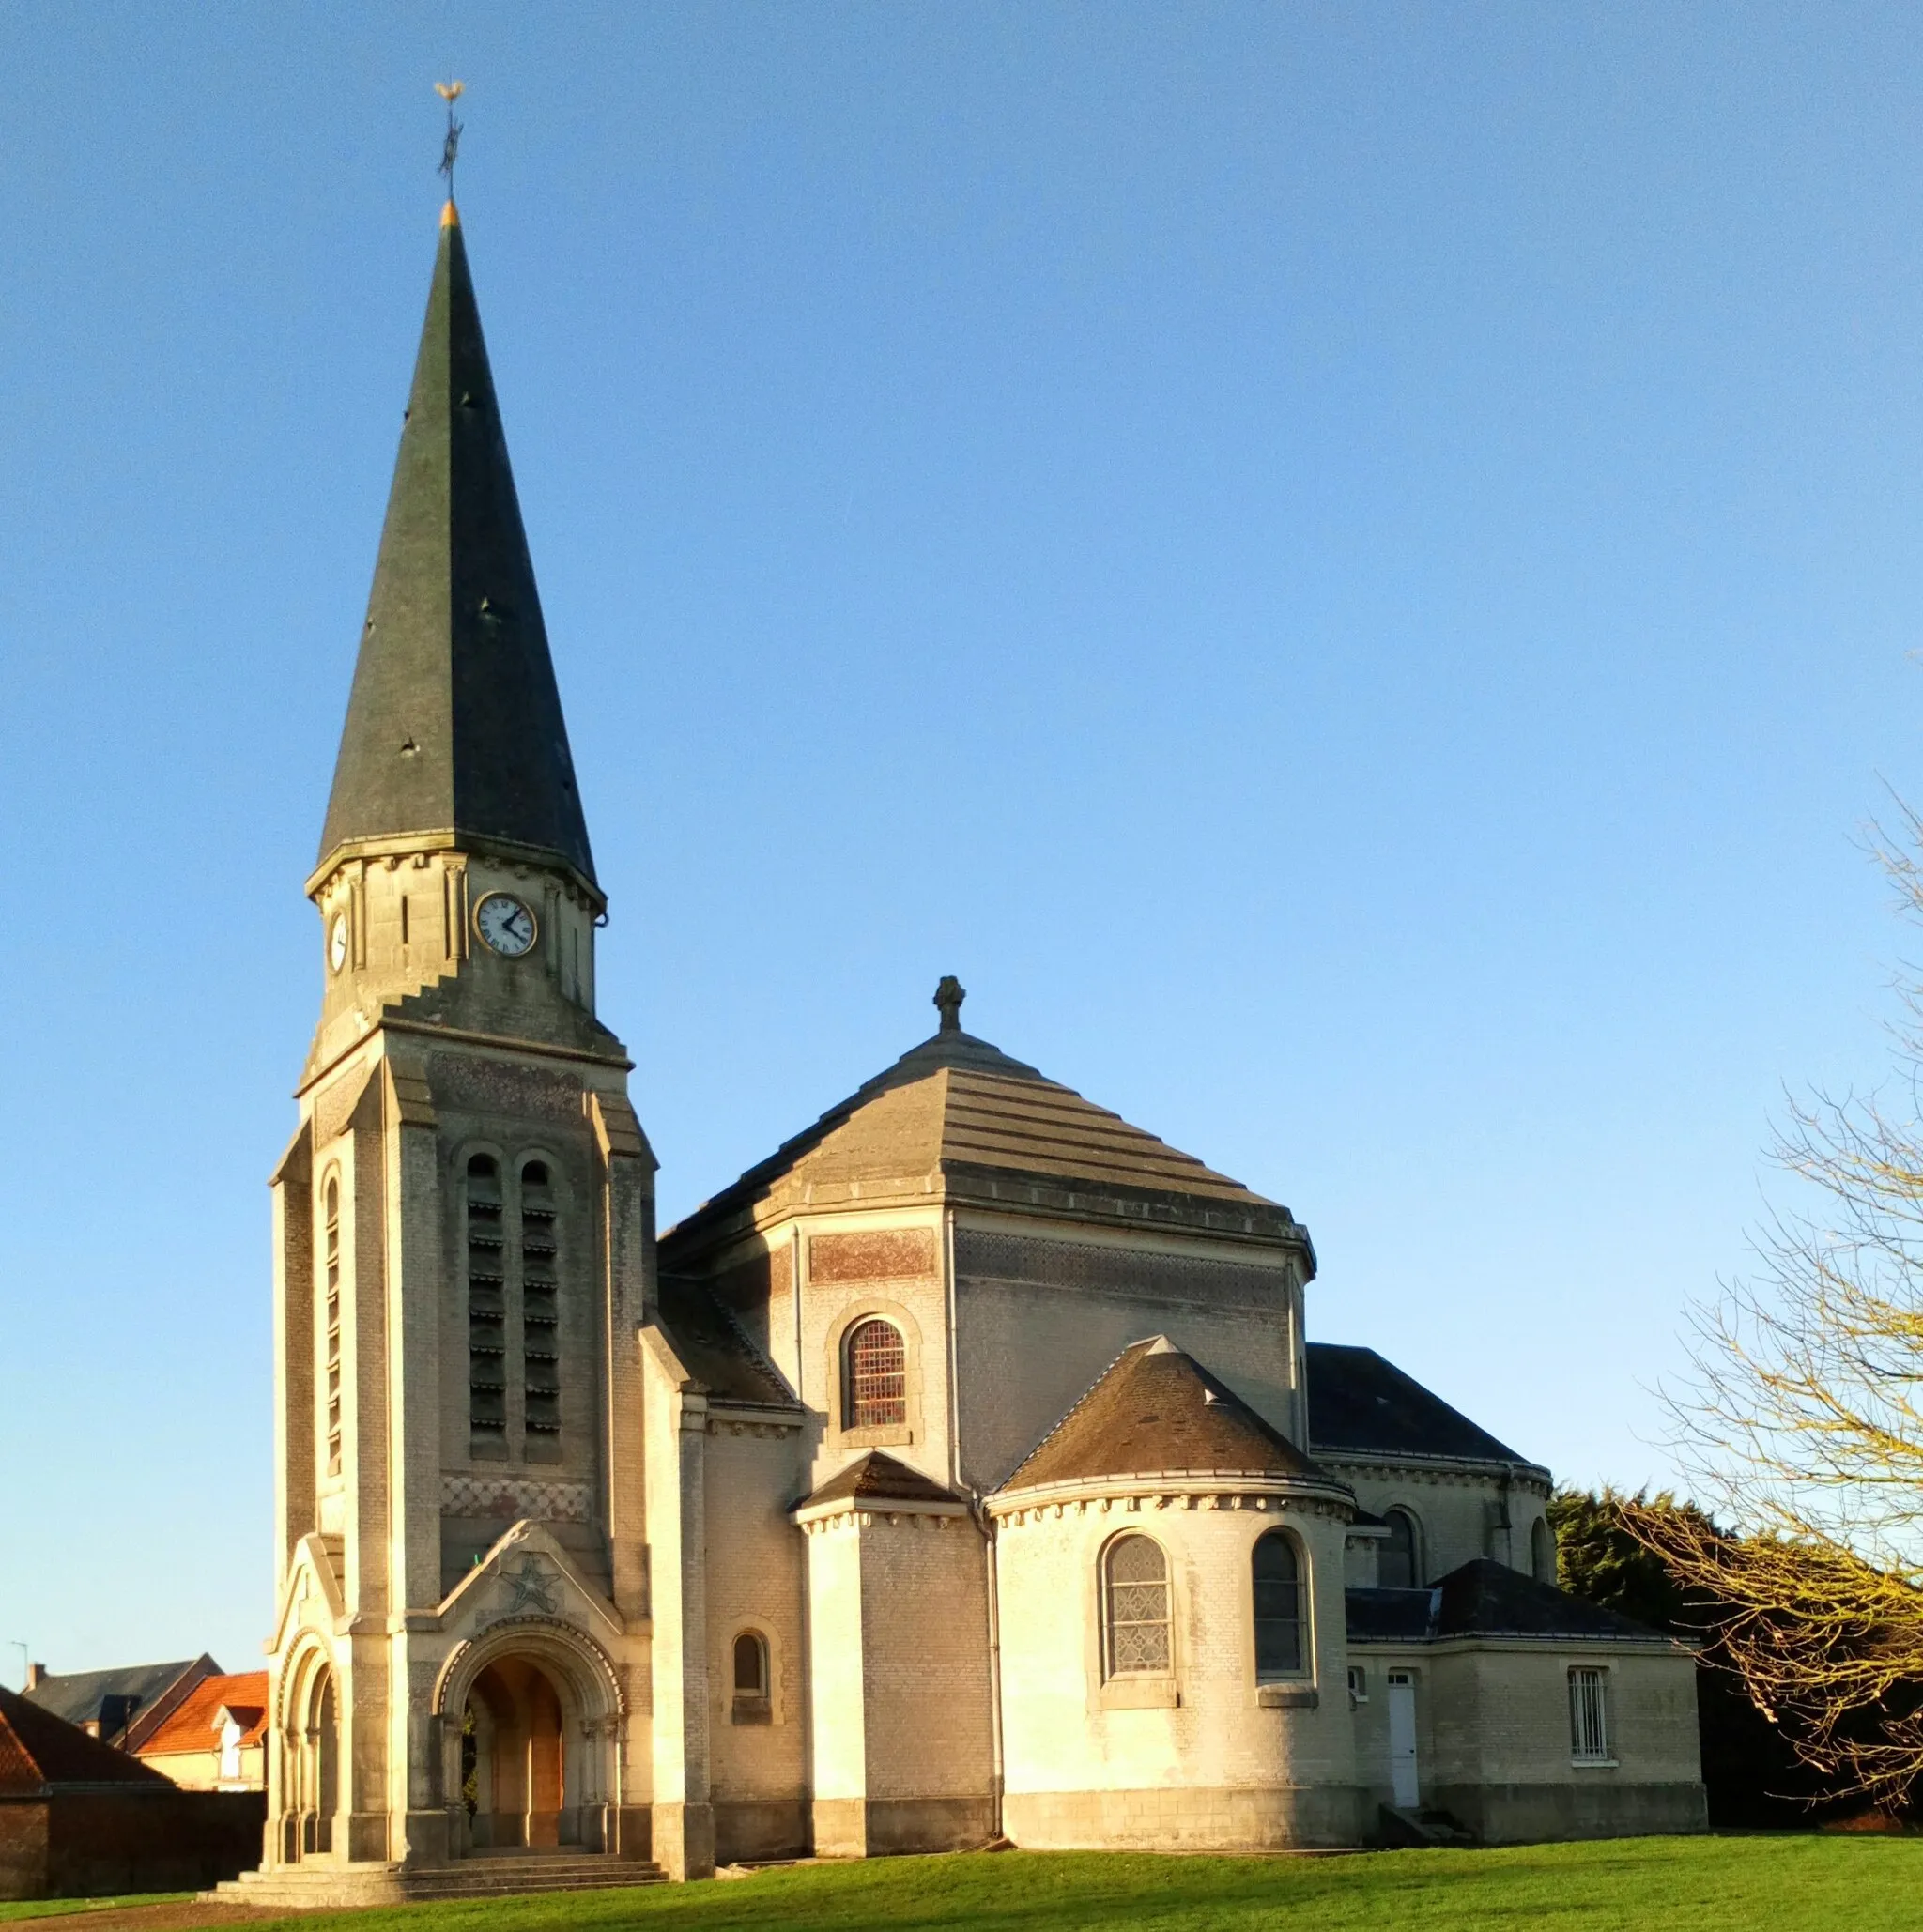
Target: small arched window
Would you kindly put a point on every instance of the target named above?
(1136, 1621)
(1277, 1575)
(1399, 1555)
(751, 1664)
(751, 1701)
(876, 1378)
(1542, 1551)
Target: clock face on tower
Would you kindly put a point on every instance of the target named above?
(337, 941)
(505, 924)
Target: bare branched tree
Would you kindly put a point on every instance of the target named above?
(1802, 1427)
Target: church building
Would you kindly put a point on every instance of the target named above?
(963, 1472)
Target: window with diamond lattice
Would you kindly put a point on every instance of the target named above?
(877, 1377)
(1135, 1592)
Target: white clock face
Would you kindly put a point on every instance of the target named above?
(337, 941)
(505, 924)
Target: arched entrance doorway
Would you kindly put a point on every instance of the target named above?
(514, 1759)
(311, 1775)
(531, 1719)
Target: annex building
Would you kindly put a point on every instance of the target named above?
(963, 1470)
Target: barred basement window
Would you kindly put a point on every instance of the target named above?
(540, 1315)
(332, 1256)
(1589, 1729)
(875, 1378)
(1277, 1575)
(487, 1312)
(1135, 1608)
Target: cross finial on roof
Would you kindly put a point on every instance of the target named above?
(948, 998)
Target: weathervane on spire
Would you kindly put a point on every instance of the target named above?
(449, 91)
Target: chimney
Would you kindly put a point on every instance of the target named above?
(35, 1673)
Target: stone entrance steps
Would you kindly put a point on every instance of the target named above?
(321, 1886)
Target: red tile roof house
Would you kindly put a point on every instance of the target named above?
(215, 1740)
(79, 1818)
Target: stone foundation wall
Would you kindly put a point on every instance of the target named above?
(1532, 1814)
(1172, 1818)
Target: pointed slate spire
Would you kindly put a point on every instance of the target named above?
(455, 723)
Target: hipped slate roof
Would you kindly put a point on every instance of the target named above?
(713, 1350)
(1361, 1403)
(39, 1751)
(1485, 1599)
(190, 1725)
(878, 1478)
(455, 723)
(1158, 1412)
(113, 1699)
(954, 1107)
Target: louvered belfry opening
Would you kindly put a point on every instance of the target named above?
(487, 1311)
(539, 1313)
(332, 1262)
(877, 1378)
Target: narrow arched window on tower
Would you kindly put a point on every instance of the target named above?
(330, 1250)
(1399, 1554)
(486, 1314)
(539, 1313)
(1277, 1575)
(1135, 1608)
(751, 1701)
(876, 1377)
(1542, 1551)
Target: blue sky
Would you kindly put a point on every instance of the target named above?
(1352, 570)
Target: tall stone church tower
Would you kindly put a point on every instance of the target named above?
(463, 1228)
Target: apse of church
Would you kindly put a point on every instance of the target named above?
(962, 1470)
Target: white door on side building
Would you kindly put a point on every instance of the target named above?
(1402, 1739)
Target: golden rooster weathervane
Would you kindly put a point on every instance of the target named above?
(449, 91)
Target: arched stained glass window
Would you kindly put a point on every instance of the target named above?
(1135, 1619)
(1277, 1575)
(876, 1378)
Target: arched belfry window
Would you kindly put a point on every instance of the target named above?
(1135, 1608)
(875, 1376)
(1399, 1555)
(1276, 1570)
(487, 1311)
(540, 1313)
(330, 1251)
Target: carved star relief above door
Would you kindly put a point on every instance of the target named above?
(529, 1587)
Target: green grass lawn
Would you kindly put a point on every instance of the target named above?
(51, 1908)
(1824, 1884)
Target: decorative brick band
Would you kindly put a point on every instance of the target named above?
(512, 1498)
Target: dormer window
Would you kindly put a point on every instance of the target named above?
(875, 1376)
